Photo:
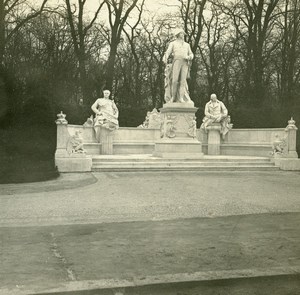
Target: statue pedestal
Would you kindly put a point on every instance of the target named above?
(178, 132)
(105, 137)
(292, 133)
(214, 139)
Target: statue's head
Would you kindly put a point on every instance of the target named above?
(106, 93)
(179, 33)
(213, 97)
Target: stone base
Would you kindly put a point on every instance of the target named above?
(74, 164)
(287, 164)
(105, 138)
(180, 148)
(178, 105)
(178, 120)
(178, 132)
(292, 154)
(214, 139)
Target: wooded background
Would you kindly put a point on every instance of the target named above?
(61, 57)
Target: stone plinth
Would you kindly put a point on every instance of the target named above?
(291, 130)
(287, 164)
(214, 139)
(70, 155)
(178, 132)
(62, 136)
(76, 163)
(105, 137)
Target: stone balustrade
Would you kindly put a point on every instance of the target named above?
(76, 144)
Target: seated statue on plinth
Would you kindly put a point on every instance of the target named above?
(106, 112)
(216, 112)
(177, 72)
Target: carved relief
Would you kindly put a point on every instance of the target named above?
(168, 126)
(152, 120)
(75, 144)
(279, 147)
(192, 129)
(162, 129)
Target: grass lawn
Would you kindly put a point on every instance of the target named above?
(27, 154)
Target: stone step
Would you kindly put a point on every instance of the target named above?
(180, 163)
(150, 159)
(108, 168)
(196, 163)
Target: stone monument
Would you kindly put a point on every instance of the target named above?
(105, 122)
(178, 121)
(216, 123)
(70, 155)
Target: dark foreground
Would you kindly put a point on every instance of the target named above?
(65, 258)
(276, 285)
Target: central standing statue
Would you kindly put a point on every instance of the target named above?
(177, 72)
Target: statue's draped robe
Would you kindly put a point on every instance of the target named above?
(109, 113)
(216, 112)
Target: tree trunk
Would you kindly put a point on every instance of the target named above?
(110, 68)
(2, 31)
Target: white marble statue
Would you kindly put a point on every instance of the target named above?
(177, 72)
(106, 112)
(216, 112)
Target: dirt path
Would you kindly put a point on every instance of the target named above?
(46, 257)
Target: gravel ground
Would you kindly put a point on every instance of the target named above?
(79, 227)
(118, 197)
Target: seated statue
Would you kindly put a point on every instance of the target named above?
(106, 112)
(216, 112)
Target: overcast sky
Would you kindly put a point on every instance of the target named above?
(152, 5)
(155, 6)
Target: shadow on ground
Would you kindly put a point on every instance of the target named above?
(275, 285)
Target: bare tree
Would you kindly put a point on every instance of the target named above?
(11, 21)
(192, 16)
(79, 30)
(217, 50)
(211, 51)
(157, 36)
(290, 52)
(255, 25)
(132, 36)
(118, 14)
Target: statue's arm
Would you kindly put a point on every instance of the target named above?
(206, 112)
(94, 107)
(224, 110)
(190, 53)
(116, 111)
